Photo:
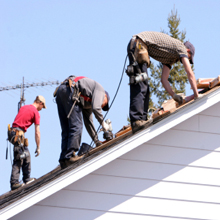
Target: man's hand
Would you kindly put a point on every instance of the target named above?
(199, 96)
(37, 152)
(178, 99)
(105, 126)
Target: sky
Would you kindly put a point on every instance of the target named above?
(49, 40)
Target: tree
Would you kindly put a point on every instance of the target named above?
(178, 77)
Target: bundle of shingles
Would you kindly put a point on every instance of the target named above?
(208, 83)
(170, 105)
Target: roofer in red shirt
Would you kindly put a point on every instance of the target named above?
(26, 116)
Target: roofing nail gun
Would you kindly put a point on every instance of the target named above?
(108, 135)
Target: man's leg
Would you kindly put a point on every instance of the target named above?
(72, 127)
(65, 131)
(15, 173)
(139, 97)
(75, 131)
(139, 101)
(62, 97)
(146, 93)
(139, 93)
(26, 167)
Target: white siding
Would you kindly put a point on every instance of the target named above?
(174, 176)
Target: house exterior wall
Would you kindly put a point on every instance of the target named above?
(173, 176)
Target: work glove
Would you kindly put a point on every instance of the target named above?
(199, 96)
(37, 152)
(178, 99)
(105, 126)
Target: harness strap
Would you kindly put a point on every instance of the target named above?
(87, 99)
(78, 78)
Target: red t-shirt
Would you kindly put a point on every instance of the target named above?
(26, 116)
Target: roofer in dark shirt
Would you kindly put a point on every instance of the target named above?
(166, 50)
(26, 116)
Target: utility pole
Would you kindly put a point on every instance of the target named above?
(27, 85)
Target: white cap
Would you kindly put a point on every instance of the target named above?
(42, 99)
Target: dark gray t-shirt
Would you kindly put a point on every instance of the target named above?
(96, 93)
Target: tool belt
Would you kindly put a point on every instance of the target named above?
(71, 82)
(140, 51)
(68, 82)
(16, 137)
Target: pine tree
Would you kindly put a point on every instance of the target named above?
(178, 77)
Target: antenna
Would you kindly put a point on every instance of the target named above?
(22, 100)
(22, 86)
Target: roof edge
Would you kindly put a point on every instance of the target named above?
(131, 143)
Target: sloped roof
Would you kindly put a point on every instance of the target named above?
(16, 201)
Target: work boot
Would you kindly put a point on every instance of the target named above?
(16, 186)
(98, 143)
(72, 160)
(31, 180)
(62, 164)
(137, 125)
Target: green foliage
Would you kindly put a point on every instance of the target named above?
(178, 77)
(128, 120)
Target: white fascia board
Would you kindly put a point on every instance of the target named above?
(111, 154)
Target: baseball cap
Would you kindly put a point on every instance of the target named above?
(106, 107)
(192, 50)
(42, 99)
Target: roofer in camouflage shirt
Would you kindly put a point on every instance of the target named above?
(166, 50)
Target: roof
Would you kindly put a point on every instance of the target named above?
(16, 201)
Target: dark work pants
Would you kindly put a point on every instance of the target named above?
(139, 94)
(24, 164)
(72, 127)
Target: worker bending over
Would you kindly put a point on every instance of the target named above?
(26, 116)
(166, 50)
(93, 99)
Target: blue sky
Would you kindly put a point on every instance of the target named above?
(50, 40)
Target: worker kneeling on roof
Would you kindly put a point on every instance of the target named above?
(93, 99)
(26, 116)
(164, 49)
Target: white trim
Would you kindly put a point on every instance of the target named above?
(110, 155)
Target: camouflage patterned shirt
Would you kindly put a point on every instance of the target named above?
(163, 47)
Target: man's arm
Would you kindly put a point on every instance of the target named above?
(37, 139)
(190, 75)
(164, 80)
(88, 122)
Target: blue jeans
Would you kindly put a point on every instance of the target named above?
(72, 127)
